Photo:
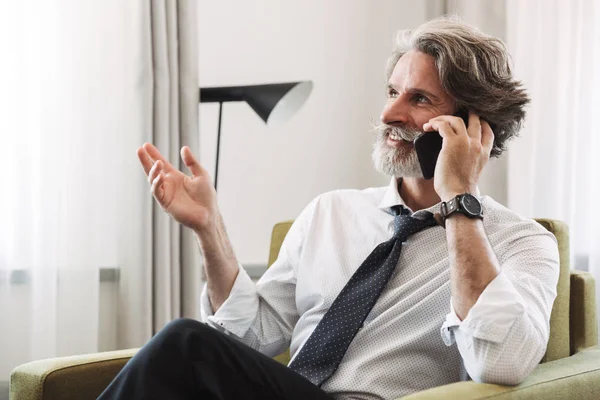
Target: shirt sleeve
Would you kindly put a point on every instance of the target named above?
(505, 334)
(238, 311)
(263, 315)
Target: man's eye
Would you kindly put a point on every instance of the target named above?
(421, 99)
(392, 93)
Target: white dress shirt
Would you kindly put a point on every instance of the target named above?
(412, 339)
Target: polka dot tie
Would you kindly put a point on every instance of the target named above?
(323, 351)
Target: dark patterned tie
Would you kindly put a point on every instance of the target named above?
(323, 351)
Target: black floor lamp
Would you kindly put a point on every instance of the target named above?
(274, 103)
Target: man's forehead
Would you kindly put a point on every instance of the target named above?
(416, 70)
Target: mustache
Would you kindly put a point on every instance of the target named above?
(409, 134)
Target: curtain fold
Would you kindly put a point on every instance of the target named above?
(175, 265)
(165, 256)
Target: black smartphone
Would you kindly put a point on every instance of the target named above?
(428, 147)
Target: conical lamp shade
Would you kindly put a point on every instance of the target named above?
(276, 103)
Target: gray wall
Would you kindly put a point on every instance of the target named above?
(268, 175)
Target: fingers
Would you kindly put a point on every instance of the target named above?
(156, 188)
(145, 160)
(442, 126)
(456, 123)
(474, 129)
(154, 163)
(155, 171)
(487, 137)
(190, 161)
(155, 155)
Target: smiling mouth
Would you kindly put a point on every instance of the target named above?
(398, 140)
(400, 144)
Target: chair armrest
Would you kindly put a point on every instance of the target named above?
(67, 378)
(575, 377)
(583, 320)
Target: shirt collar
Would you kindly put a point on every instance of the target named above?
(391, 197)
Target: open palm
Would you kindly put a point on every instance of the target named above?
(189, 200)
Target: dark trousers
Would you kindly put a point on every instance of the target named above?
(190, 360)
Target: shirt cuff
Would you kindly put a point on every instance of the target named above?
(492, 315)
(238, 311)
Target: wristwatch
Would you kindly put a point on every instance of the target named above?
(466, 204)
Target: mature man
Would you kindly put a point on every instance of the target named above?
(374, 298)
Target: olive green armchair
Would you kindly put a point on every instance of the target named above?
(570, 368)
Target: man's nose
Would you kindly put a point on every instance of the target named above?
(395, 113)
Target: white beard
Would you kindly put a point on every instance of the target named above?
(400, 163)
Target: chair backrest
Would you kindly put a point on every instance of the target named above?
(573, 323)
(279, 231)
(559, 343)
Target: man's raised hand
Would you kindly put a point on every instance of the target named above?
(190, 200)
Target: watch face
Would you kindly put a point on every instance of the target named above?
(471, 205)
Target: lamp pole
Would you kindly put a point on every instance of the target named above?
(218, 143)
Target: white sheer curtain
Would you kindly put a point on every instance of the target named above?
(554, 168)
(77, 97)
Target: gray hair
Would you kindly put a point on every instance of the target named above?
(474, 68)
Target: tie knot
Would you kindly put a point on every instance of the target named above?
(407, 225)
(400, 210)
